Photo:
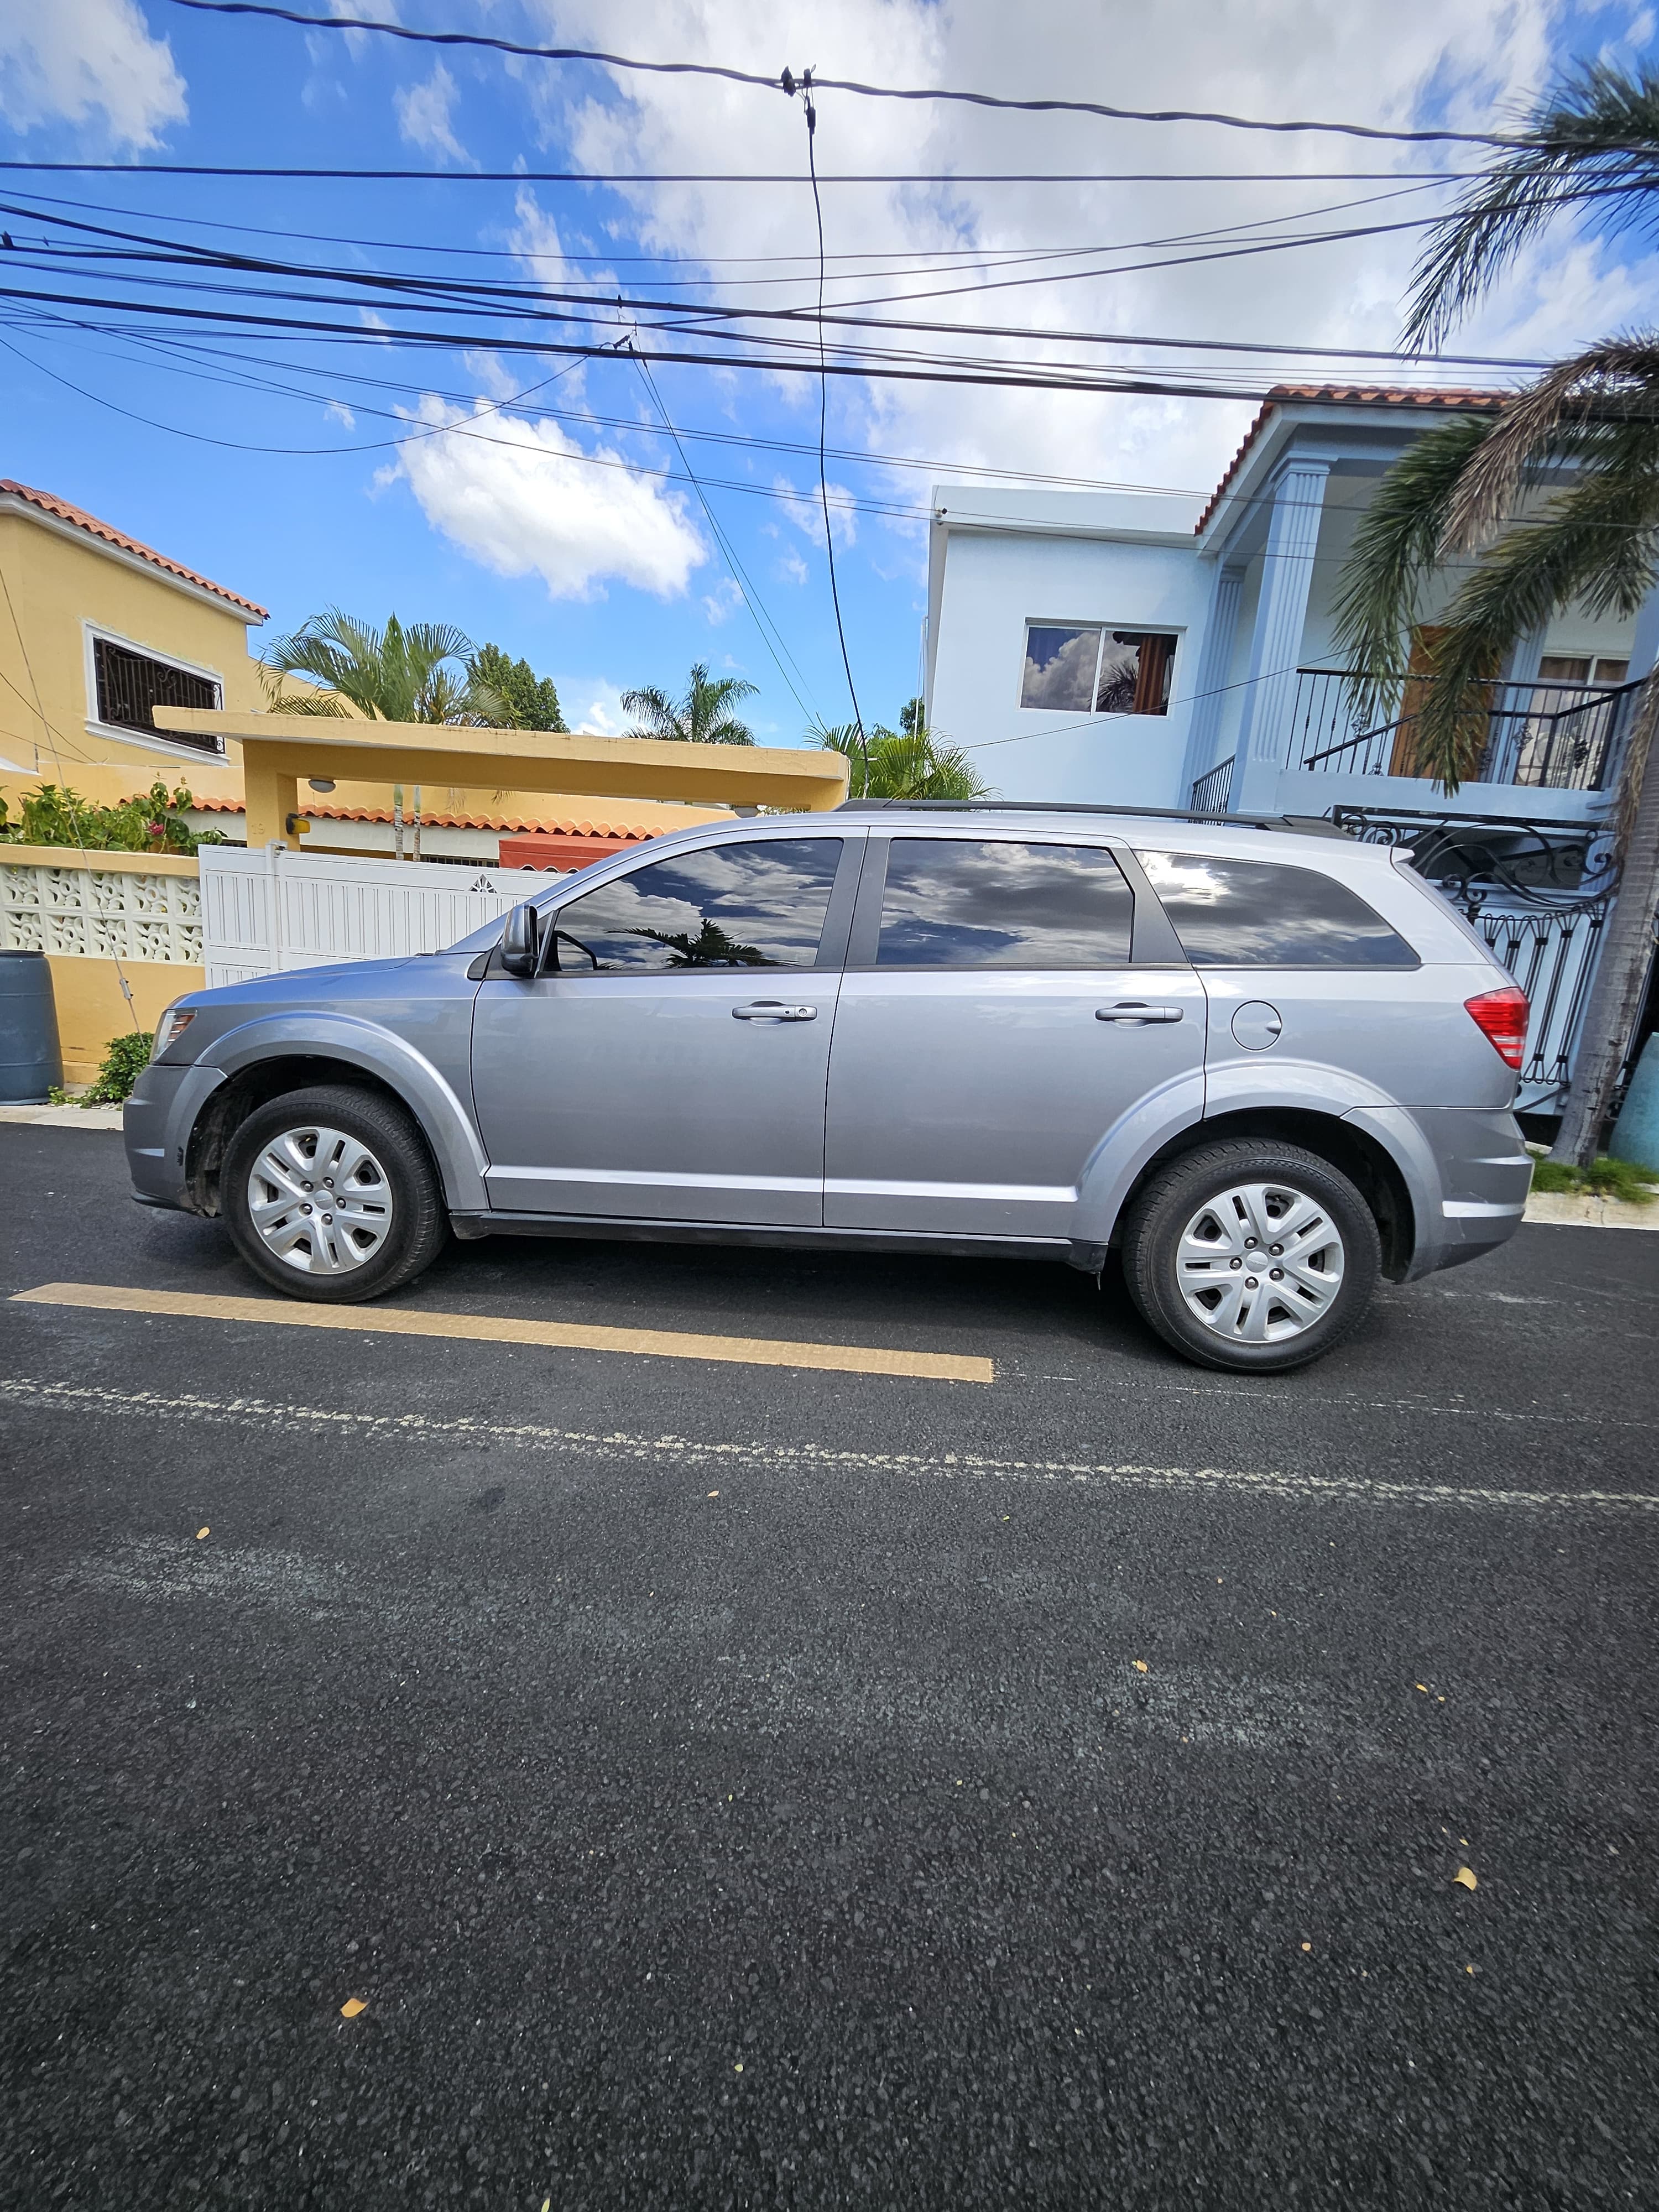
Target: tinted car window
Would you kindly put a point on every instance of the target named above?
(750, 905)
(1253, 914)
(954, 902)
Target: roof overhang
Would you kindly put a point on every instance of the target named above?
(291, 745)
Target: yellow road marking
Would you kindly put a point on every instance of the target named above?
(501, 1329)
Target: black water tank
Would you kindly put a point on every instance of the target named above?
(30, 1062)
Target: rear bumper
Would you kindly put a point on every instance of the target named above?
(156, 1125)
(1468, 1172)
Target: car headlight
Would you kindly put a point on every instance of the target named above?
(168, 1031)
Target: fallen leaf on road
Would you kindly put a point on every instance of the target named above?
(200, 1533)
(353, 2006)
(1307, 1946)
(1140, 1667)
(1421, 1686)
(714, 1493)
(1466, 1877)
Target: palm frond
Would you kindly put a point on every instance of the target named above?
(1395, 552)
(1574, 410)
(1595, 137)
(1597, 543)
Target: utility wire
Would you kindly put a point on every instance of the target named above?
(752, 597)
(812, 115)
(788, 82)
(741, 176)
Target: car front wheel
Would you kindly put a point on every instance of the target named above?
(331, 1196)
(1251, 1255)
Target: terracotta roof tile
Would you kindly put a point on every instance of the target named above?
(555, 826)
(62, 511)
(1349, 395)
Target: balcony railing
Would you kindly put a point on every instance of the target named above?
(1213, 789)
(1547, 737)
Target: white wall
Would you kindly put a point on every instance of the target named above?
(994, 584)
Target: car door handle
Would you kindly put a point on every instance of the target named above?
(773, 1010)
(1132, 1013)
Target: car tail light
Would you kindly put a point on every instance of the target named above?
(1501, 1016)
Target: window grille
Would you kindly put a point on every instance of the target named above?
(131, 685)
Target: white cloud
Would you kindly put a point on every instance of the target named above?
(519, 498)
(722, 602)
(67, 61)
(1416, 63)
(593, 704)
(790, 569)
(423, 116)
(337, 411)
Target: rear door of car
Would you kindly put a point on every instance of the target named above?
(994, 1028)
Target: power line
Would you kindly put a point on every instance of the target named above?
(752, 597)
(788, 82)
(738, 176)
(811, 113)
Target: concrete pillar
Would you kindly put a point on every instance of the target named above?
(271, 797)
(1215, 656)
(1276, 642)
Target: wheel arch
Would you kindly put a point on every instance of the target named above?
(260, 1076)
(1358, 1154)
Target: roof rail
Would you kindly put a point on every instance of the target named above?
(1306, 825)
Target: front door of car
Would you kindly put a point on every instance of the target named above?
(669, 1060)
(993, 1032)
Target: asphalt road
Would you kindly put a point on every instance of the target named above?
(725, 1785)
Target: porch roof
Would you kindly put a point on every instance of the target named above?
(278, 749)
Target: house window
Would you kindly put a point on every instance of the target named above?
(1578, 668)
(1088, 668)
(131, 685)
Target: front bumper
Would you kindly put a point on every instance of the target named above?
(156, 1125)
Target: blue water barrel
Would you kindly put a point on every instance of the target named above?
(1635, 1132)
(30, 1062)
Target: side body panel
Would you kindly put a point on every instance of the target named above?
(973, 1103)
(643, 1095)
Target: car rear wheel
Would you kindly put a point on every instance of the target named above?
(331, 1196)
(1251, 1255)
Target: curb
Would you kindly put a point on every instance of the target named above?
(64, 1117)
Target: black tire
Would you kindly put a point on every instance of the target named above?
(403, 1184)
(1177, 1196)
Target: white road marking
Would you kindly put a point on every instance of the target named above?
(677, 1453)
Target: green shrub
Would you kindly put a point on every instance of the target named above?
(1603, 1178)
(150, 822)
(125, 1059)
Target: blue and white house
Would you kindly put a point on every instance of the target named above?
(1149, 650)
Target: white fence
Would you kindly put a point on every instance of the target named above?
(138, 911)
(270, 908)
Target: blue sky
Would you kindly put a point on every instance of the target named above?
(543, 534)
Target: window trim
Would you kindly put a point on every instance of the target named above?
(1152, 939)
(175, 747)
(832, 938)
(1100, 624)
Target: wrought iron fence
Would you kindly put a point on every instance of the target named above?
(1543, 737)
(1538, 894)
(1212, 792)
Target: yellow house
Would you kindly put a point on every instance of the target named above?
(99, 633)
(96, 630)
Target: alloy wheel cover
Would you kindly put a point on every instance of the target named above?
(1260, 1263)
(319, 1200)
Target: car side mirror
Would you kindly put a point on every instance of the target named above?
(521, 940)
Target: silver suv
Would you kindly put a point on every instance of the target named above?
(1262, 1066)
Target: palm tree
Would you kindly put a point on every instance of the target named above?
(1457, 497)
(908, 763)
(702, 717)
(424, 673)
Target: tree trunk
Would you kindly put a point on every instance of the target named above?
(1621, 973)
